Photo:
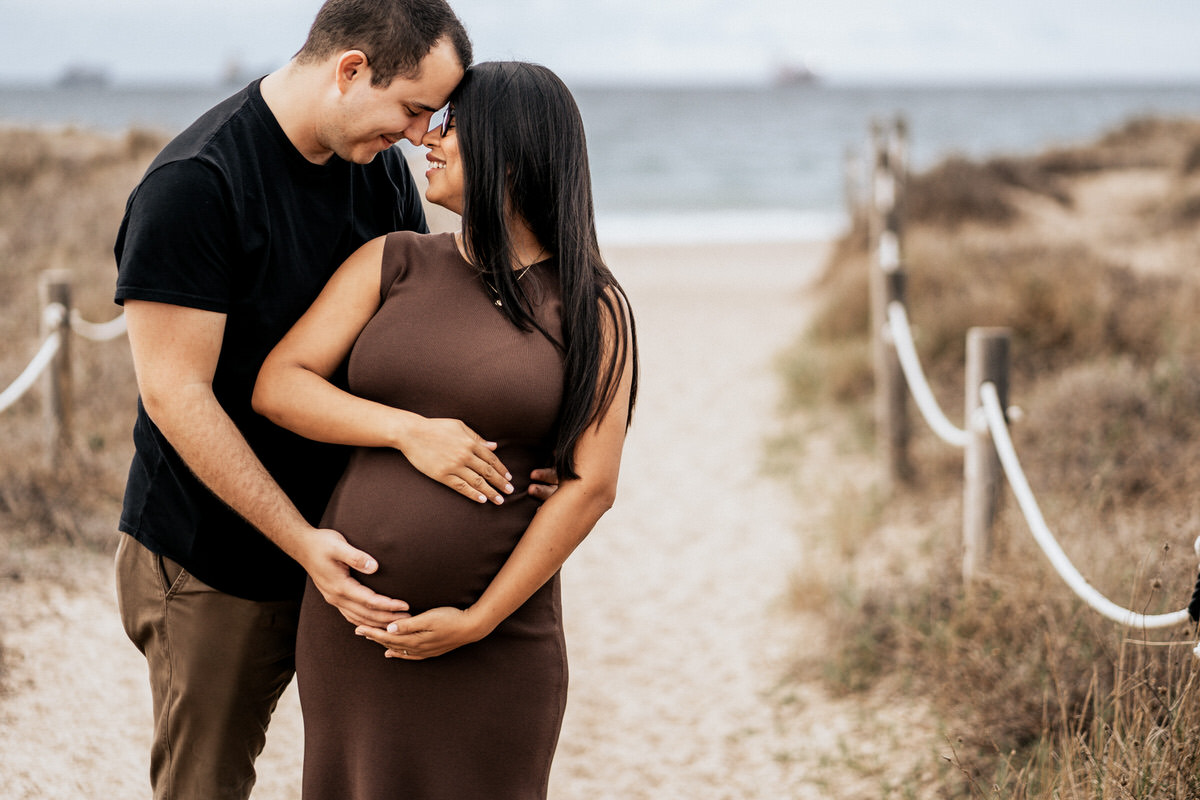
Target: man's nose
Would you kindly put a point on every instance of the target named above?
(417, 128)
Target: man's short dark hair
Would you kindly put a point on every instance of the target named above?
(394, 34)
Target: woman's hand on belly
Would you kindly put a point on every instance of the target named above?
(452, 454)
(428, 634)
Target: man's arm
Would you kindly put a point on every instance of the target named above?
(175, 352)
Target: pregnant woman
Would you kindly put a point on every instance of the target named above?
(517, 328)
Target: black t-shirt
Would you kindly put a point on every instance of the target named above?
(231, 218)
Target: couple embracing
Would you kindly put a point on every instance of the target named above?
(362, 451)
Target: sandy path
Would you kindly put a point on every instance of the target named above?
(671, 604)
(677, 635)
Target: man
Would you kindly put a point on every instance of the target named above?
(229, 237)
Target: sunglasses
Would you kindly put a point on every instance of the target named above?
(443, 120)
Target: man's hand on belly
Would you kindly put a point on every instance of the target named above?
(545, 483)
(328, 558)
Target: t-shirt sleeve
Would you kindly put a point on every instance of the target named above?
(175, 241)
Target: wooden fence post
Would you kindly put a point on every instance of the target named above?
(987, 361)
(852, 187)
(887, 284)
(54, 286)
(898, 153)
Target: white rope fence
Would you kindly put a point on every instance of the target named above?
(906, 351)
(902, 339)
(989, 456)
(32, 372)
(1041, 532)
(97, 331)
(53, 316)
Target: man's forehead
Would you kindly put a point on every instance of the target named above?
(425, 92)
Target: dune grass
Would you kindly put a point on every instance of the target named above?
(62, 194)
(1040, 696)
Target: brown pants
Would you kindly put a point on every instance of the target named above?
(218, 665)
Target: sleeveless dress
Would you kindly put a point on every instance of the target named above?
(481, 721)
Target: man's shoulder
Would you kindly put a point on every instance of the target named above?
(209, 138)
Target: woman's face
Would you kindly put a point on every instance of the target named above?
(445, 172)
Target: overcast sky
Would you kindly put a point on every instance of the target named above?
(659, 41)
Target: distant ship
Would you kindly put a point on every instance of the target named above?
(82, 76)
(236, 73)
(795, 73)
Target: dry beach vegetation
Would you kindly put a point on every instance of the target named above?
(1091, 255)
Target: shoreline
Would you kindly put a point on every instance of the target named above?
(670, 230)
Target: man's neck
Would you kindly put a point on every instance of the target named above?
(293, 94)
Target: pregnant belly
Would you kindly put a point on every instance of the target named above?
(434, 546)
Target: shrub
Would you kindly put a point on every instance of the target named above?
(1042, 696)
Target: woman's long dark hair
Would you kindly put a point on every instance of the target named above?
(524, 156)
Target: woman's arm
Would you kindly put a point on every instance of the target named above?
(294, 391)
(556, 530)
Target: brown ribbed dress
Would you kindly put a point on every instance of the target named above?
(480, 722)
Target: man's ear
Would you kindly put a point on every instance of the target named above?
(351, 66)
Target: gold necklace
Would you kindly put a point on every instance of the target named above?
(497, 302)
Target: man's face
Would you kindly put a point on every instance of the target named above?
(369, 120)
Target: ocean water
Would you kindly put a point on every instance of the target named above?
(724, 163)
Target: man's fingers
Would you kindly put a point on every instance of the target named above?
(357, 559)
(358, 599)
(371, 600)
(540, 491)
(362, 606)
(375, 619)
(545, 475)
(545, 483)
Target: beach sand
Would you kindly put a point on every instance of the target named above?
(679, 635)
